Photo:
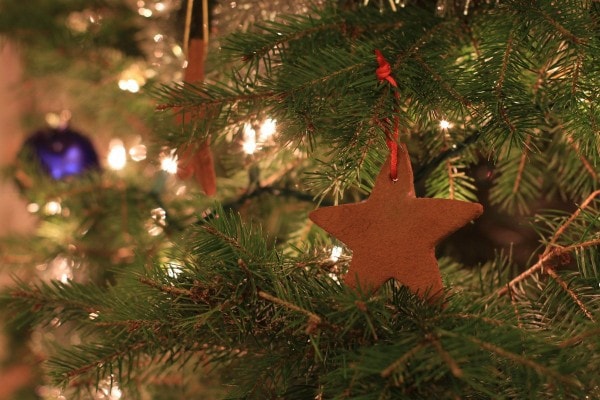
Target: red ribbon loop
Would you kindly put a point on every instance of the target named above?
(384, 73)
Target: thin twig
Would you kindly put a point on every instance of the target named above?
(579, 338)
(522, 360)
(544, 259)
(402, 360)
(452, 364)
(514, 304)
(313, 319)
(568, 222)
(552, 250)
(552, 273)
(521, 165)
(172, 290)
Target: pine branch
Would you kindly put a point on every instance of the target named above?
(552, 250)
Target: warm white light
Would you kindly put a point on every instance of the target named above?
(94, 315)
(181, 190)
(336, 252)
(52, 119)
(129, 85)
(168, 163)
(117, 156)
(249, 145)
(52, 207)
(108, 390)
(158, 37)
(33, 207)
(267, 130)
(445, 124)
(158, 221)
(177, 50)
(173, 268)
(160, 6)
(132, 78)
(60, 269)
(138, 152)
(145, 12)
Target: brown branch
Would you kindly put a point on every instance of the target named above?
(402, 360)
(438, 78)
(552, 273)
(35, 294)
(452, 364)
(552, 250)
(108, 359)
(514, 305)
(579, 338)
(564, 31)
(545, 371)
(166, 288)
(544, 259)
(568, 222)
(313, 319)
(500, 84)
(521, 166)
(450, 179)
(576, 73)
(586, 163)
(227, 239)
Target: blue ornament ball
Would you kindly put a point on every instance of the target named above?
(62, 152)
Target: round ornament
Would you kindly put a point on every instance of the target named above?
(62, 152)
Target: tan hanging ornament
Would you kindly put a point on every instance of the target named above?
(393, 233)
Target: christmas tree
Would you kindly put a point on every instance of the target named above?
(385, 123)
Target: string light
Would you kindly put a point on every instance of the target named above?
(132, 79)
(336, 252)
(33, 207)
(444, 124)
(60, 268)
(173, 269)
(52, 207)
(117, 156)
(267, 130)
(157, 222)
(253, 141)
(108, 390)
(168, 162)
(249, 142)
(138, 152)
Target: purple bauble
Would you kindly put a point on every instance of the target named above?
(62, 152)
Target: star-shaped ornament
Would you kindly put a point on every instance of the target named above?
(393, 233)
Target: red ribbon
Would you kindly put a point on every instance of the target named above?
(384, 73)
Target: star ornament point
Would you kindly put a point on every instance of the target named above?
(393, 233)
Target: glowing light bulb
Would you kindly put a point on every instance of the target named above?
(444, 124)
(249, 145)
(132, 79)
(145, 12)
(173, 269)
(108, 390)
(336, 252)
(267, 130)
(138, 152)
(168, 162)
(52, 207)
(129, 85)
(117, 156)
(33, 207)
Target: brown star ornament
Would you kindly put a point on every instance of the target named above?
(393, 233)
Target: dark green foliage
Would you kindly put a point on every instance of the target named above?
(264, 310)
